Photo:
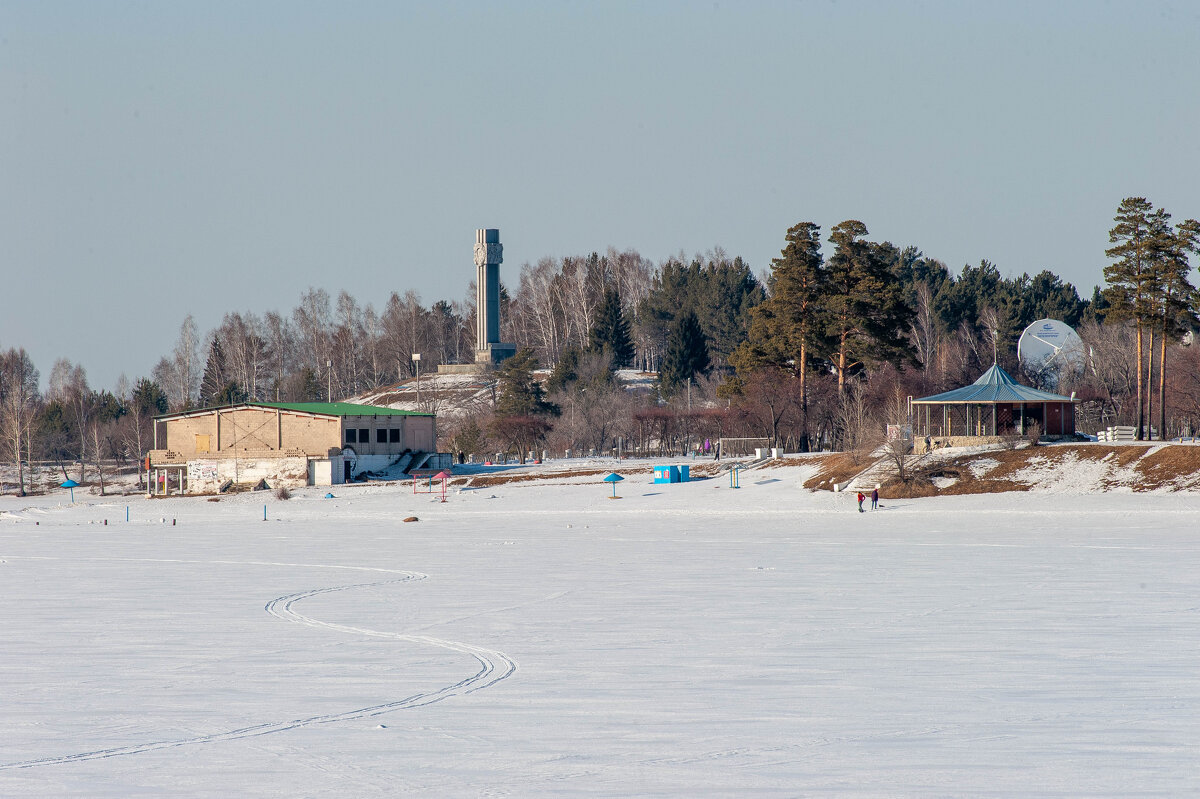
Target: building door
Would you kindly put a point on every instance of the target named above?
(346, 467)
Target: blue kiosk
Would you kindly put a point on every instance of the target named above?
(672, 474)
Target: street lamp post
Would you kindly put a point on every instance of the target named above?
(329, 381)
(416, 357)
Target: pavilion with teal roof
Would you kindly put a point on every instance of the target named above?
(995, 405)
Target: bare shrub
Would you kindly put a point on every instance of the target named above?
(282, 493)
(896, 451)
(1033, 433)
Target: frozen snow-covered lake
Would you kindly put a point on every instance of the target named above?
(548, 641)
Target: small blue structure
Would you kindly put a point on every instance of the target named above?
(735, 476)
(71, 484)
(672, 474)
(613, 478)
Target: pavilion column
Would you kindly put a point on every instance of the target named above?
(993, 418)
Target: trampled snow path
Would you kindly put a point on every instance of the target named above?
(494, 667)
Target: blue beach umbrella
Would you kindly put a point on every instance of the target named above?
(614, 478)
(71, 484)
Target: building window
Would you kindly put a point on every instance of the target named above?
(364, 435)
(394, 435)
(351, 435)
(380, 435)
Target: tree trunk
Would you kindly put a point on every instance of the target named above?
(96, 455)
(1162, 386)
(20, 469)
(804, 396)
(1141, 405)
(1150, 388)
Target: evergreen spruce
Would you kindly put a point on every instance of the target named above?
(213, 383)
(686, 355)
(566, 371)
(520, 393)
(610, 331)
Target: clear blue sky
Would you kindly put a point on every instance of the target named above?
(160, 159)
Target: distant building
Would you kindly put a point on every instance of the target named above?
(286, 444)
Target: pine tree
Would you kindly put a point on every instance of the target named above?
(686, 355)
(520, 393)
(866, 317)
(610, 330)
(785, 330)
(1179, 299)
(1130, 279)
(566, 371)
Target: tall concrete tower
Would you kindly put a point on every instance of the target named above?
(489, 253)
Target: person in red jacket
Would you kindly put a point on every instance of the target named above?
(860, 501)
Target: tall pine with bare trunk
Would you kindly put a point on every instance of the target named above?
(866, 317)
(786, 330)
(1131, 289)
(1178, 301)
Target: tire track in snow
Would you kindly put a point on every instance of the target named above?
(493, 667)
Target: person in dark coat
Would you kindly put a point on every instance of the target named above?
(860, 501)
(874, 498)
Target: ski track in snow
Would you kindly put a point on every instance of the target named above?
(493, 667)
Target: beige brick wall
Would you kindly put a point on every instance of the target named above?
(251, 429)
(265, 429)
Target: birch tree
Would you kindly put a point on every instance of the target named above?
(19, 402)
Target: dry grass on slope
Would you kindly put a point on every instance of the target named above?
(836, 467)
(1137, 467)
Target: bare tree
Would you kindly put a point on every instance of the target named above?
(404, 326)
(187, 363)
(278, 350)
(537, 311)
(924, 330)
(314, 335)
(347, 346)
(19, 403)
(1111, 365)
(244, 347)
(859, 429)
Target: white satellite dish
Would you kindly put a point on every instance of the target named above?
(1049, 345)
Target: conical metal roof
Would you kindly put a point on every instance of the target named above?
(994, 385)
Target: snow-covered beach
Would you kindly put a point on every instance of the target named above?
(545, 640)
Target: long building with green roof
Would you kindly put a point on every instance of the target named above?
(284, 444)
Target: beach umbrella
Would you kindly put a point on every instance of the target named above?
(614, 478)
(71, 484)
(443, 477)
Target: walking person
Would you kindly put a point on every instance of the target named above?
(874, 498)
(860, 502)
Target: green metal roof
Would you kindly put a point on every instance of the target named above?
(993, 386)
(322, 408)
(338, 409)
